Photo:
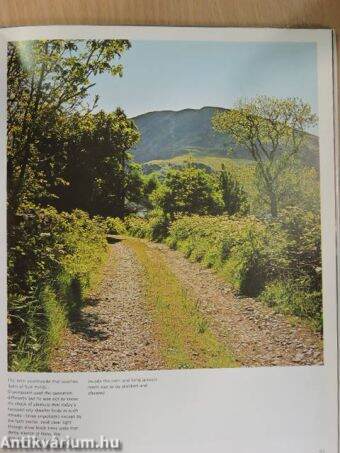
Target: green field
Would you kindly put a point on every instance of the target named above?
(214, 162)
(242, 169)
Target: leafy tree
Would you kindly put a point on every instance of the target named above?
(273, 131)
(233, 195)
(150, 184)
(101, 176)
(188, 191)
(297, 186)
(60, 153)
(47, 82)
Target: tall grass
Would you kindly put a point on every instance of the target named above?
(277, 260)
(53, 261)
(185, 336)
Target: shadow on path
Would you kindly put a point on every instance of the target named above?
(113, 239)
(90, 326)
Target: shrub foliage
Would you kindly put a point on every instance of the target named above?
(61, 153)
(53, 258)
(280, 261)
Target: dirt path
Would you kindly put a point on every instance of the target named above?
(117, 330)
(256, 335)
(114, 331)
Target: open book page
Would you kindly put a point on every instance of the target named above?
(169, 258)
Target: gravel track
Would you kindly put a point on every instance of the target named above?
(255, 334)
(114, 331)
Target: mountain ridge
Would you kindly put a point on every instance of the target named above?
(192, 109)
(169, 133)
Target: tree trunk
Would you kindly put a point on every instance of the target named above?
(273, 204)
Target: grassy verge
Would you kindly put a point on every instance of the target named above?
(57, 305)
(185, 337)
(49, 283)
(278, 261)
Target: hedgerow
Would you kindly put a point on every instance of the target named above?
(53, 259)
(278, 260)
(137, 226)
(155, 227)
(231, 245)
(114, 225)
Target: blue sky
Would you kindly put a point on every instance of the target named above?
(174, 75)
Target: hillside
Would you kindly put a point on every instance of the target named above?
(167, 134)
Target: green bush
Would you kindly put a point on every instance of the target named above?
(279, 260)
(155, 227)
(186, 191)
(159, 223)
(294, 246)
(53, 258)
(231, 245)
(114, 225)
(137, 226)
(233, 194)
(294, 298)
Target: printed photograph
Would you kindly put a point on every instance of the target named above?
(163, 205)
